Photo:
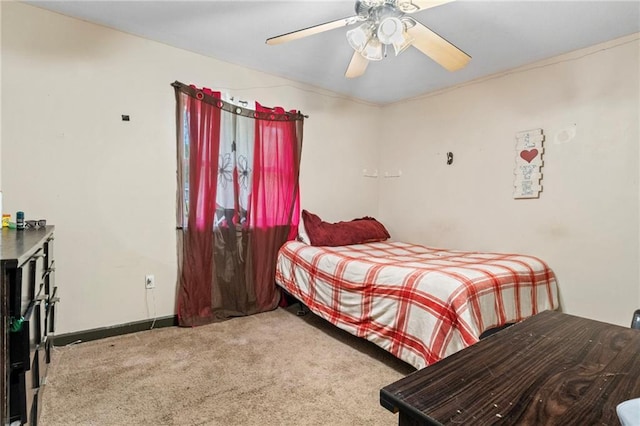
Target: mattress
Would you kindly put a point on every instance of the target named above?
(419, 303)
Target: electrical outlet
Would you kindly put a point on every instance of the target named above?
(149, 281)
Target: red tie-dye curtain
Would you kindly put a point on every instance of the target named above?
(238, 202)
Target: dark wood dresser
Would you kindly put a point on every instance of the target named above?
(28, 295)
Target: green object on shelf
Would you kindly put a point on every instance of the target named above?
(16, 324)
(12, 225)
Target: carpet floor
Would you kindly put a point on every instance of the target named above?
(273, 368)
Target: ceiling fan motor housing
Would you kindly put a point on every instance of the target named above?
(377, 9)
(382, 17)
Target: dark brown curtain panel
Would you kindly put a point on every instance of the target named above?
(238, 201)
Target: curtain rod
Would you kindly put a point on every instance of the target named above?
(193, 91)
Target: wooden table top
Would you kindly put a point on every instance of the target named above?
(552, 368)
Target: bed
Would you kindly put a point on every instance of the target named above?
(419, 303)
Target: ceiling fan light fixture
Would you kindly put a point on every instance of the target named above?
(373, 50)
(390, 30)
(402, 45)
(360, 36)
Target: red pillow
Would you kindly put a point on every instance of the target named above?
(356, 231)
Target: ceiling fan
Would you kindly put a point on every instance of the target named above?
(385, 23)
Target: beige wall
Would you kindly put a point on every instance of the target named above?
(108, 185)
(585, 223)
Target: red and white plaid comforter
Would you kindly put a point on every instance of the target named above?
(419, 303)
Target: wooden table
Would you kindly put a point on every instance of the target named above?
(552, 368)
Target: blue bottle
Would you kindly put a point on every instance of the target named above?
(20, 220)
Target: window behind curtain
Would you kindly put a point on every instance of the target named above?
(238, 202)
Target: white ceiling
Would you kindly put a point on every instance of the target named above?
(498, 35)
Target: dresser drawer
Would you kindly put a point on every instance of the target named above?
(50, 321)
(23, 406)
(24, 341)
(49, 265)
(49, 277)
(44, 357)
(30, 276)
(48, 251)
(14, 276)
(17, 406)
(47, 350)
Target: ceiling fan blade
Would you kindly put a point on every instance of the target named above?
(437, 48)
(357, 66)
(294, 35)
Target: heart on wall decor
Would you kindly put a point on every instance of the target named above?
(527, 172)
(529, 155)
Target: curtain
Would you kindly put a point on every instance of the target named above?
(238, 201)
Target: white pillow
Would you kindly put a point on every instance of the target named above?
(302, 233)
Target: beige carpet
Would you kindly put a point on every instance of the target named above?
(273, 368)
